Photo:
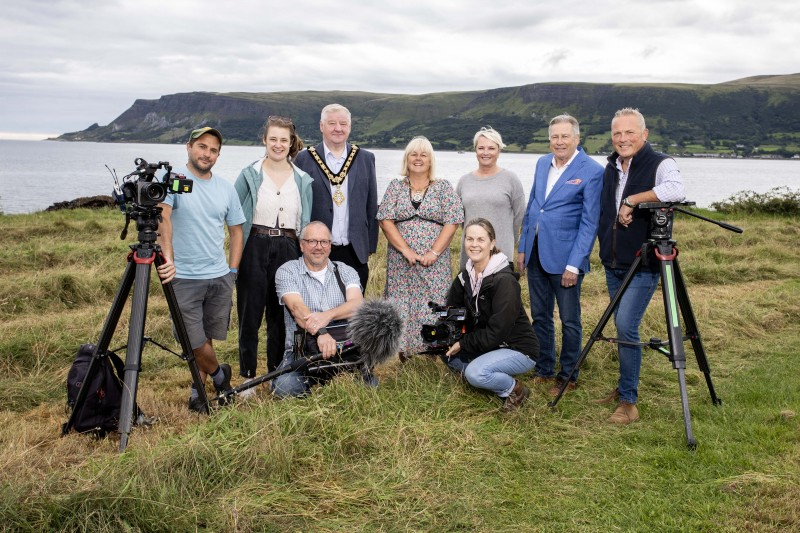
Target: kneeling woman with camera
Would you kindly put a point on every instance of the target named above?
(500, 341)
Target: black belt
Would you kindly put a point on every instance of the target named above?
(273, 232)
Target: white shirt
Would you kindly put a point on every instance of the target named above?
(341, 214)
(554, 173)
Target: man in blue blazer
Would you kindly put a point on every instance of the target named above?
(557, 236)
(345, 191)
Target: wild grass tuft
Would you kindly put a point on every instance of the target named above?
(424, 451)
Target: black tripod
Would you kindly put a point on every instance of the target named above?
(676, 298)
(140, 259)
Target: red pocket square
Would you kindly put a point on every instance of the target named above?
(576, 181)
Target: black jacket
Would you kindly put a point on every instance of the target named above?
(499, 318)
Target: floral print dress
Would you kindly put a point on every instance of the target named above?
(412, 287)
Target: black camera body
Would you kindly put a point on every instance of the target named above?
(450, 326)
(140, 187)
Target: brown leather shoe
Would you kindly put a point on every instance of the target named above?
(612, 397)
(625, 413)
(518, 395)
(542, 380)
(554, 390)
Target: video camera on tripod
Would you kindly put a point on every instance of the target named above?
(138, 197)
(450, 326)
(140, 188)
(660, 247)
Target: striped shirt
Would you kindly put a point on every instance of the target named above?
(669, 184)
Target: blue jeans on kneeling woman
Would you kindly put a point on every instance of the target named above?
(493, 370)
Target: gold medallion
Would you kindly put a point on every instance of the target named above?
(335, 179)
(338, 196)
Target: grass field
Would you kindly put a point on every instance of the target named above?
(424, 451)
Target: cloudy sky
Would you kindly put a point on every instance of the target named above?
(67, 64)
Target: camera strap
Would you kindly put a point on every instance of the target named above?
(339, 280)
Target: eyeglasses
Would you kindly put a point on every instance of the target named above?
(314, 242)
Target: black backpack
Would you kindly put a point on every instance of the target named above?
(100, 413)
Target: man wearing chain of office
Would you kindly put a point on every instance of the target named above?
(345, 191)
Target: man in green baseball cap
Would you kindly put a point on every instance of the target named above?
(196, 134)
(192, 238)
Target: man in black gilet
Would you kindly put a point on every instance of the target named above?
(635, 174)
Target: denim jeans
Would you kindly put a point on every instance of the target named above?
(492, 370)
(545, 290)
(299, 382)
(627, 317)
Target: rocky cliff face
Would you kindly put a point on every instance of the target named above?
(740, 111)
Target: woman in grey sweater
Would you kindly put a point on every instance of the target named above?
(493, 193)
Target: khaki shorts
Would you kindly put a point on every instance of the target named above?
(205, 306)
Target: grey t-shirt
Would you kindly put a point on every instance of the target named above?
(499, 199)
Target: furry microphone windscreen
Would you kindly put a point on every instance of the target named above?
(376, 329)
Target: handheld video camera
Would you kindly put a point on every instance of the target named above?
(450, 326)
(140, 187)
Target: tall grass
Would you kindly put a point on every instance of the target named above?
(424, 451)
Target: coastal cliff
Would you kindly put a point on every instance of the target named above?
(757, 115)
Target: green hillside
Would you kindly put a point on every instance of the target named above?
(752, 116)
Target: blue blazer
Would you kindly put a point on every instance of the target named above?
(568, 218)
(362, 198)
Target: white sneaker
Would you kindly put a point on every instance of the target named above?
(248, 393)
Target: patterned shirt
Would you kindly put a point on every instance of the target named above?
(294, 277)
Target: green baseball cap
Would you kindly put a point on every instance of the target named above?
(202, 131)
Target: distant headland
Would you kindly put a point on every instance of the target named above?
(751, 117)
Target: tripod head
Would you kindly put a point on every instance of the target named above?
(662, 215)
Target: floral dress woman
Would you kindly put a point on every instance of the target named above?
(420, 220)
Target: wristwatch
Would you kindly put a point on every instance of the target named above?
(321, 331)
(627, 203)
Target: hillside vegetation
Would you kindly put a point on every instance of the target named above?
(757, 116)
(424, 451)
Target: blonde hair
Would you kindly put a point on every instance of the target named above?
(491, 134)
(419, 144)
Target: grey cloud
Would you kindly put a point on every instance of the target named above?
(556, 57)
(72, 63)
(648, 51)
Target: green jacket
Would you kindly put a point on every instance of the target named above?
(249, 181)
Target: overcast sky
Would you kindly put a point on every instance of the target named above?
(67, 64)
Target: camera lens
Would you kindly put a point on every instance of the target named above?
(151, 193)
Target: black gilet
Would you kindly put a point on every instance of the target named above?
(618, 244)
